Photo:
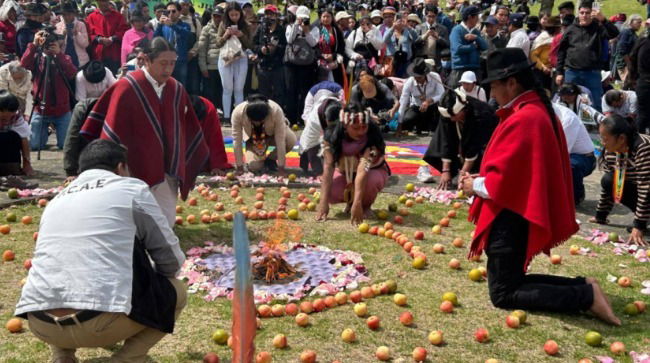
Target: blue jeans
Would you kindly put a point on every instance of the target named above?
(180, 73)
(581, 167)
(39, 125)
(589, 79)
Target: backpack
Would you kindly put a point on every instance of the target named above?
(300, 53)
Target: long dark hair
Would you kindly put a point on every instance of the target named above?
(335, 134)
(617, 125)
(241, 23)
(529, 82)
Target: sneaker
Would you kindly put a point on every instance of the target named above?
(424, 174)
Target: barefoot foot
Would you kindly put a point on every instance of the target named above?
(601, 308)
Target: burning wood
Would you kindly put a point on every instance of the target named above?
(269, 263)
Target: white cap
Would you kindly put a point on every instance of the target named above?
(302, 12)
(468, 77)
(375, 14)
(341, 15)
(604, 75)
(431, 62)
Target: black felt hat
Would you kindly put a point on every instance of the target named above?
(505, 62)
(94, 71)
(69, 7)
(35, 9)
(418, 68)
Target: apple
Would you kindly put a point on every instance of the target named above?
(292, 177)
(419, 262)
(233, 194)
(624, 281)
(457, 205)
(258, 323)
(447, 307)
(409, 187)
(492, 360)
(389, 234)
(382, 215)
(341, 298)
(360, 309)
(14, 325)
(400, 299)
(348, 335)
(551, 347)
(211, 357)
(556, 259)
(392, 286)
(574, 250)
(403, 212)
(27, 264)
(451, 297)
(593, 338)
(280, 341)
(308, 356)
(231, 176)
(457, 242)
(26, 220)
(293, 214)
(454, 263)
(382, 353)
(258, 205)
(418, 235)
(444, 222)
(42, 203)
(264, 310)
(631, 309)
(381, 231)
(376, 289)
(436, 229)
(302, 319)
(8, 255)
(364, 228)
(302, 207)
(291, 309)
(409, 203)
(355, 296)
(385, 289)
(5, 229)
(435, 337)
(408, 246)
(406, 318)
(512, 321)
(206, 219)
(228, 216)
(306, 307)
(219, 207)
(475, 275)
(438, 248)
(220, 336)
(481, 335)
(330, 301)
(419, 199)
(419, 354)
(521, 315)
(263, 357)
(613, 237)
(640, 305)
(451, 214)
(367, 293)
(617, 348)
(585, 360)
(373, 322)
(483, 271)
(402, 240)
(373, 230)
(402, 199)
(311, 206)
(286, 194)
(319, 305)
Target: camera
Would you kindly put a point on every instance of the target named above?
(165, 12)
(305, 21)
(50, 37)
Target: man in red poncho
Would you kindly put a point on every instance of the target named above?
(524, 197)
(106, 28)
(211, 126)
(150, 113)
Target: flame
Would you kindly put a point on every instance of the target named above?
(280, 233)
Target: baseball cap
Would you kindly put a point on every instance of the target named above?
(271, 8)
(491, 20)
(517, 19)
(302, 12)
(341, 15)
(468, 77)
(375, 14)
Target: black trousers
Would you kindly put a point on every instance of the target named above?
(271, 84)
(630, 193)
(422, 121)
(511, 288)
(310, 157)
(10, 153)
(212, 88)
(299, 80)
(643, 100)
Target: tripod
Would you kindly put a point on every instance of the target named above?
(40, 96)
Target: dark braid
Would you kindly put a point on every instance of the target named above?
(529, 82)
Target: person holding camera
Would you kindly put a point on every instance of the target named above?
(433, 37)
(270, 42)
(52, 72)
(177, 33)
(74, 33)
(106, 28)
(34, 18)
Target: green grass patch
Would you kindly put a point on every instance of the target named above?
(385, 260)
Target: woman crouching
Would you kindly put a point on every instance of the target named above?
(354, 169)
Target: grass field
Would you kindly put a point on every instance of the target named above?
(385, 260)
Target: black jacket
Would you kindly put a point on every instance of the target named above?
(476, 130)
(640, 60)
(384, 100)
(584, 48)
(264, 37)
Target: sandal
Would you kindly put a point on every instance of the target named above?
(13, 181)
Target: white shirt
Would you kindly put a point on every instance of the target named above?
(575, 132)
(158, 89)
(519, 39)
(85, 89)
(21, 127)
(628, 108)
(411, 93)
(477, 92)
(312, 135)
(84, 254)
(358, 37)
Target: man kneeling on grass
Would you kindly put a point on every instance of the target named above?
(92, 283)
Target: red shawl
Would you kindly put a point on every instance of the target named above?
(162, 135)
(213, 137)
(527, 170)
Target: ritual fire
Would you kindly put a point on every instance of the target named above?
(269, 262)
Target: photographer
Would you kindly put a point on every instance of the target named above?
(35, 15)
(270, 42)
(177, 33)
(53, 92)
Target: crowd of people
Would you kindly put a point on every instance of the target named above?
(508, 99)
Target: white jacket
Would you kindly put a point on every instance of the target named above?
(357, 37)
